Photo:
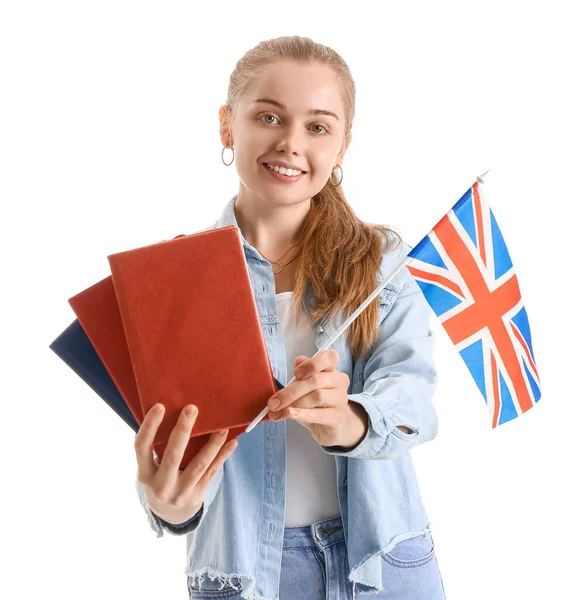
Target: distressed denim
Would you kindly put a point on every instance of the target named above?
(239, 533)
(314, 566)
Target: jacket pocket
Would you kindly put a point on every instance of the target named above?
(387, 297)
(413, 552)
(213, 588)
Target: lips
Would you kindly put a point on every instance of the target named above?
(266, 165)
(286, 179)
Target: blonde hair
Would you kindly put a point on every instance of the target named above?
(340, 254)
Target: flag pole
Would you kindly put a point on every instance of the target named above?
(354, 315)
(341, 329)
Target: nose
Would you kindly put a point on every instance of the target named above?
(291, 139)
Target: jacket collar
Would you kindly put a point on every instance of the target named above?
(227, 218)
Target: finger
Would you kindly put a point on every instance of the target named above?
(300, 360)
(144, 441)
(320, 398)
(327, 416)
(205, 464)
(322, 361)
(301, 387)
(178, 440)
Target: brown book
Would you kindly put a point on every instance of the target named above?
(177, 323)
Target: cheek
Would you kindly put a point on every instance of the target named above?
(248, 136)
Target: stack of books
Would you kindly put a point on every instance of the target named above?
(175, 323)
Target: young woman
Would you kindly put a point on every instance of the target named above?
(322, 501)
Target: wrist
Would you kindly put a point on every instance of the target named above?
(176, 520)
(182, 528)
(356, 425)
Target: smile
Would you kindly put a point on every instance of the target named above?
(280, 177)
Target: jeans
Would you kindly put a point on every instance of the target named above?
(315, 567)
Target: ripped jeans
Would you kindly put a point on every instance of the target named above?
(315, 567)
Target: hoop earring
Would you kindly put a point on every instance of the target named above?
(233, 156)
(336, 184)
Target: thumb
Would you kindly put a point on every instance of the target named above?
(300, 359)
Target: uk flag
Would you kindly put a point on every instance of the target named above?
(464, 270)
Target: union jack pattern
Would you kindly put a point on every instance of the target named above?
(464, 270)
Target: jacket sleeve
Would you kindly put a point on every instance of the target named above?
(160, 526)
(399, 379)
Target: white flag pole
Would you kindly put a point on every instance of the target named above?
(343, 327)
(481, 179)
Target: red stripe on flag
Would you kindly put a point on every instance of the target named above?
(496, 388)
(487, 309)
(420, 274)
(479, 221)
(526, 350)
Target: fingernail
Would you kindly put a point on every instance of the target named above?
(158, 408)
(190, 411)
(274, 404)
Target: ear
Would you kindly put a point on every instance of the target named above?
(343, 150)
(224, 127)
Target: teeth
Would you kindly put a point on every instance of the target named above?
(283, 171)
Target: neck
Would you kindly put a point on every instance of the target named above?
(271, 228)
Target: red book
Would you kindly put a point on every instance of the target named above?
(177, 323)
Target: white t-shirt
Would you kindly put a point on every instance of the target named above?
(311, 474)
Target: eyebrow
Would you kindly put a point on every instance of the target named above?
(313, 111)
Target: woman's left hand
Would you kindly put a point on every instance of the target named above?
(318, 400)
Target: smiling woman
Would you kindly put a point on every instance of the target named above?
(324, 495)
(307, 130)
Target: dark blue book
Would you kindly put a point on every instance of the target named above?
(75, 349)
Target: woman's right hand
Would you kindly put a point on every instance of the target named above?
(174, 495)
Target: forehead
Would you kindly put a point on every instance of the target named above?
(300, 87)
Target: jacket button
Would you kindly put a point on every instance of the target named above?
(320, 329)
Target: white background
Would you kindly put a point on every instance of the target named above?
(109, 140)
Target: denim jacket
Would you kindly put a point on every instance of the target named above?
(236, 538)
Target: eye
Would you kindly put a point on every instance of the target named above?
(274, 117)
(267, 115)
(322, 127)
